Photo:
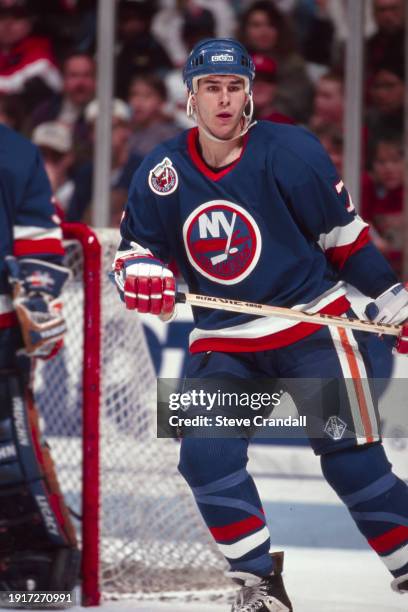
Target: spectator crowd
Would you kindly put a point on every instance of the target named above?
(48, 83)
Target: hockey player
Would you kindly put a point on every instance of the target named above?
(257, 212)
(38, 549)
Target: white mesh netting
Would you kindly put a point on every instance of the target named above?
(152, 539)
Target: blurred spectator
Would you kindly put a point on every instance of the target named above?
(11, 112)
(150, 126)
(78, 73)
(79, 84)
(316, 31)
(331, 137)
(139, 51)
(123, 166)
(265, 30)
(55, 142)
(382, 202)
(328, 108)
(285, 6)
(169, 21)
(386, 97)
(264, 90)
(322, 30)
(71, 24)
(328, 104)
(389, 16)
(27, 65)
(196, 25)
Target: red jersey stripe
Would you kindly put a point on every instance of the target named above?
(234, 530)
(387, 541)
(50, 246)
(339, 255)
(271, 341)
(8, 319)
(355, 373)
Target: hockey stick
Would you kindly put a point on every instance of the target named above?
(264, 310)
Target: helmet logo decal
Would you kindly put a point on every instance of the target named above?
(222, 58)
(222, 241)
(163, 178)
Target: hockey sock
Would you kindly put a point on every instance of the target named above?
(376, 498)
(228, 500)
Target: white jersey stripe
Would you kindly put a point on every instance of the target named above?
(361, 406)
(365, 384)
(6, 305)
(345, 368)
(341, 236)
(13, 83)
(397, 559)
(244, 546)
(24, 232)
(264, 326)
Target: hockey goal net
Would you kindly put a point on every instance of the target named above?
(140, 531)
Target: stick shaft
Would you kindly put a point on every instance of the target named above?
(264, 310)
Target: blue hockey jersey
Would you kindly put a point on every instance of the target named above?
(29, 227)
(277, 226)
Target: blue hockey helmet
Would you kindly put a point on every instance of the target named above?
(218, 56)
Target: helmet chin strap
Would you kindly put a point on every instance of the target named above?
(247, 117)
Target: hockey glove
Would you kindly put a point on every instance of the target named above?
(392, 307)
(146, 285)
(36, 285)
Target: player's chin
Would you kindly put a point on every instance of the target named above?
(226, 132)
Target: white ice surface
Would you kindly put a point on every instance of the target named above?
(317, 580)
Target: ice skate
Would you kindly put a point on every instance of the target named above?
(400, 585)
(262, 594)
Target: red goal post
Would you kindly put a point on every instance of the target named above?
(92, 270)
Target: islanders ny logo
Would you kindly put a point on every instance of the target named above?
(163, 178)
(222, 241)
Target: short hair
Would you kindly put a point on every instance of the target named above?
(153, 81)
(333, 75)
(383, 135)
(285, 44)
(333, 133)
(393, 63)
(73, 54)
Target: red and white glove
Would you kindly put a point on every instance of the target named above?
(147, 285)
(392, 307)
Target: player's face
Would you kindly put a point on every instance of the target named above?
(389, 14)
(328, 102)
(145, 102)
(79, 80)
(388, 166)
(387, 92)
(220, 102)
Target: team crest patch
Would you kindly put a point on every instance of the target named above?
(222, 241)
(163, 179)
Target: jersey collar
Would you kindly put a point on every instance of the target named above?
(192, 138)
